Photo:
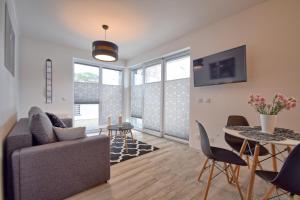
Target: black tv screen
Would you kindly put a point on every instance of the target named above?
(224, 67)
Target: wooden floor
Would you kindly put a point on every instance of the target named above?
(169, 173)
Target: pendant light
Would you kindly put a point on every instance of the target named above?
(104, 50)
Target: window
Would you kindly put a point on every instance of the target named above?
(176, 98)
(86, 73)
(86, 96)
(153, 74)
(137, 98)
(152, 99)
(111, 77)
(178, 69)
(111, 95)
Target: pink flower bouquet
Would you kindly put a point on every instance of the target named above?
(279, 103)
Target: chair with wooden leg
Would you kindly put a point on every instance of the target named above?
(287, 179)
(245, 148)
(215, 156)
(237, 143)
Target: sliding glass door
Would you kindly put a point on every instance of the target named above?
(111, 97)
(86, 96)
(152, 100)
(137, 85)
(177, 97)
(160, 94)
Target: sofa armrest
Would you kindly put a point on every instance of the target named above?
(68, 122)
(61, 169)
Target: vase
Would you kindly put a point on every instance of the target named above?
(268, 123)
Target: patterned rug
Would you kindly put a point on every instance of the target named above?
(137, 148)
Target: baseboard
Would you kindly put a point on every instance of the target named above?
(176, 139)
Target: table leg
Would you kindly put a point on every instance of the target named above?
(252, 175)
(242, 150)
(126, 145)
(274, 161)
(132, 139)
(109, 134)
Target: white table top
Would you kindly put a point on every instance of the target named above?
(283, 142)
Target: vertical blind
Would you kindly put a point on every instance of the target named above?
(111, 103)
(111, 96)
(137, 93)
(151, 117)
(177, 98)
(136, 101)
(176, 114)
(152, 98)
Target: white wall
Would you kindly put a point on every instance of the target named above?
(33, 53)
(271, 31)
(8, 83)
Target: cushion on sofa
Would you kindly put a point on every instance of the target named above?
(42, 129)
(56, 121)
(33, 111)
(64, 134)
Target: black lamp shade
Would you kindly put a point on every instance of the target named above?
(105, 51)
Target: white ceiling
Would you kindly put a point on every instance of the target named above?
(135, 25)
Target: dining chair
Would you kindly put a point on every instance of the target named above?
(215, 156)
(236, 143)
(288, 178)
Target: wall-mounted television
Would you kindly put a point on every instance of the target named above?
(225, 67)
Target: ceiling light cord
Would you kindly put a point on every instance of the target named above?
(105, 27)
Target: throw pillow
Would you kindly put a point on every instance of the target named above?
(64, 134)
(41, 129)
(33, 111)
(56, 121)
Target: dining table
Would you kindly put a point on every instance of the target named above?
(283, 137)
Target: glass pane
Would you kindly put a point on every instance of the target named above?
(86, 73)
(137, 123)
(176, 108)
(152, 104)
(137, 77)
(136, 100)
(153, 74)
(178, 69)
(86, 115)
(86, 96)
(111, 77)
(111, 103)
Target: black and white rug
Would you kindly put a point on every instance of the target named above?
(136, 148)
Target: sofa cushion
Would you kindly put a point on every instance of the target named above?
(42, 129)
(64, 134)
(56, 121)
(33, 111)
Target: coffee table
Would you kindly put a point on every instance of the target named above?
(123, 129)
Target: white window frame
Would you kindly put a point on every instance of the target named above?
(100, 66)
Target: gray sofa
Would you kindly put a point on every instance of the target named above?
(53, 171)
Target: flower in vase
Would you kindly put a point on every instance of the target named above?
(278, 103)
